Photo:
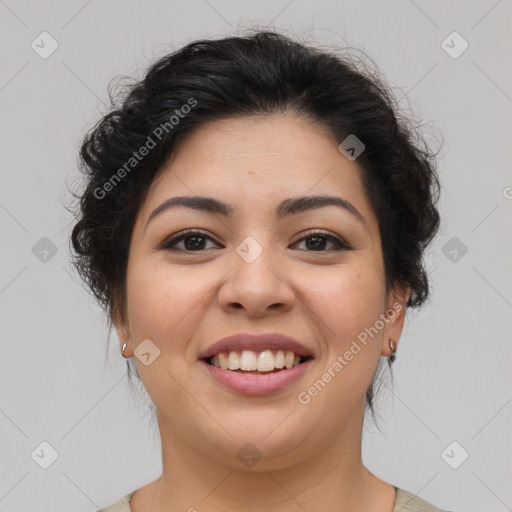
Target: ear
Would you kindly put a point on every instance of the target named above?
(396, 305)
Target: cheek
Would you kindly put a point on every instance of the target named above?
(347, 300)
(348, 304)
(163, 304)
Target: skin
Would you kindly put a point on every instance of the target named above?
(185, 301)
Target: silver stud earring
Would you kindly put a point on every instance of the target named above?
(123, 349)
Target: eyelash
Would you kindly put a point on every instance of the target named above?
(170, 244)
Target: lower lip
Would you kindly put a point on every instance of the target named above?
(251, 384)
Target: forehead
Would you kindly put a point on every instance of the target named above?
(256, 159)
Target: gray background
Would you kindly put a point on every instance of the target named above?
(452, 374)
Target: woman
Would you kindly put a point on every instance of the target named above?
(254, 223)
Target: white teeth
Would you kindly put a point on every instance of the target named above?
(266, 361)
(234, 360)
(223, 360)
(279, 359)
(248, 360)
(288, 359)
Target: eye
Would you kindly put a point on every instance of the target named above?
(319, 239)
(194, 240)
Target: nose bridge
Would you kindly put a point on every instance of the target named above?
(255, 282)
(250, 250)
(257, 257)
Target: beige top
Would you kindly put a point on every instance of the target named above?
(404, 502)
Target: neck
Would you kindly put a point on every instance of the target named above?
(332, 478)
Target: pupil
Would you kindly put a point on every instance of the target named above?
(194, 245)
(315, 245)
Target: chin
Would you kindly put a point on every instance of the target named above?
(256, 441)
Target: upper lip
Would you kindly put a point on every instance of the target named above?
(256, 343)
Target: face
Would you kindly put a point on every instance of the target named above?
(312, 274)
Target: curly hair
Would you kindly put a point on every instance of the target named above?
(263, 73)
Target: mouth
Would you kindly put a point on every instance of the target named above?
(256, 364)
(251, 362)
(257, 373)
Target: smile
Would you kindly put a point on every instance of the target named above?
(256, 373)
(260, 362)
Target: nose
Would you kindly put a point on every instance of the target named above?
(258, 283)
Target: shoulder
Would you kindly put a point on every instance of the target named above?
(123, 505)
(408, 502)
(405, 502)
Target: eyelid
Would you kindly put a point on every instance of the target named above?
(166, 244)
(331, 236)
(328, 234)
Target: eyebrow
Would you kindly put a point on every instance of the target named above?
(286, 208)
